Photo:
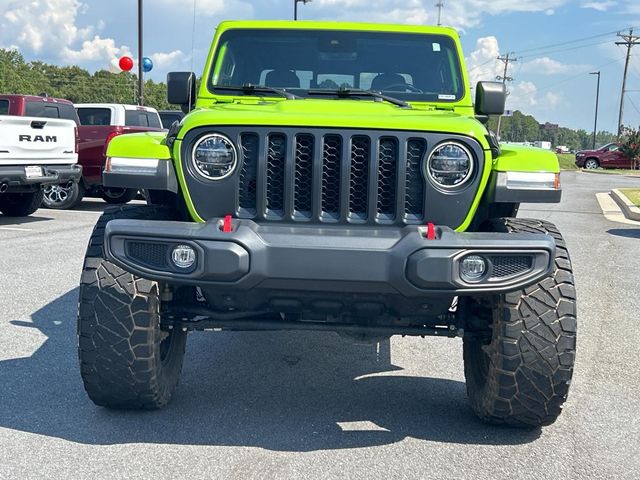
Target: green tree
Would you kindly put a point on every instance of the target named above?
(630, 144)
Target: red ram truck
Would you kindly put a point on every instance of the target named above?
(99, 123)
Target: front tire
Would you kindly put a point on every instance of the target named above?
(20, 204)
(520, 376)
(126, 360)
(118, 196)
(591, 164)
(63, 197)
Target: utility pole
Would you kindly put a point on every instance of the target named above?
(506, 59)
(440, 6)
(140, 56)
(628, 41)
(595, 123)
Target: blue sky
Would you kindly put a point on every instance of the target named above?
(551, 83)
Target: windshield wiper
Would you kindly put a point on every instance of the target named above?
(248, 89)
(357, 92)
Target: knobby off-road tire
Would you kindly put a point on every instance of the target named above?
(126, 360)
(20, 204)
(522, 376)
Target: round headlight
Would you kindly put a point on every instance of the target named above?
(214, 157)
(450, 165)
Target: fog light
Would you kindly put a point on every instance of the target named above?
(183, 256)
(472, 268)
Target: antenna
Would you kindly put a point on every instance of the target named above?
(193, 49)
(440, 6)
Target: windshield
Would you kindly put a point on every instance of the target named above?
(415, 67)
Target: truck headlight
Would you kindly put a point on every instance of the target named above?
(214, 157)
(450, 165)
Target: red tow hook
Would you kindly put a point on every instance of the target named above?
(431, 231)
(227, 227)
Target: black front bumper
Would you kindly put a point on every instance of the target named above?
(382, 261)
(14, 176)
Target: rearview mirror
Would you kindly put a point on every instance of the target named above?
(490, 98)
(181, 89)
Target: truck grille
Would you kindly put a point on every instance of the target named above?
(331, 177)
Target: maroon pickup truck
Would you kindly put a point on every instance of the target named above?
(608, 156)
(99, 123)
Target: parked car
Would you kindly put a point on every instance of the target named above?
(168, 117)
(38, 150)
(562, 149)
(609, 156)
(99, 124)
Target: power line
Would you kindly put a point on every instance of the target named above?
(568, 42)
(628, 41)
(566, 79)
(550, 52)
(635, 107)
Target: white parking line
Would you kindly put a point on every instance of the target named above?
(16, 229)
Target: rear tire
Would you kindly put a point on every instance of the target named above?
(521, 376)
(20, 204)
(118, 196)
(126, 360)
(60, 197)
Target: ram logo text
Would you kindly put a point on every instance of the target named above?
(39, 138)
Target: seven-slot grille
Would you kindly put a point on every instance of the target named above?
(331, 177)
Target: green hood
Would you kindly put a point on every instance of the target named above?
(335, 114)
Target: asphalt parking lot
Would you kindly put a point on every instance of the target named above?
(303, 405)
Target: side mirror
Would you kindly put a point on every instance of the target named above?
(490, 98)
(181, 89)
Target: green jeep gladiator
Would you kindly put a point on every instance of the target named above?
(331, 177)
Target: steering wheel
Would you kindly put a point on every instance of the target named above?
(404, 86)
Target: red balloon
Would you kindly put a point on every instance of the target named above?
(126, 63)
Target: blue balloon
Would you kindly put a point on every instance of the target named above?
(147, 64)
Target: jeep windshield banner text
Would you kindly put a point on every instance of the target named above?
(331, 177)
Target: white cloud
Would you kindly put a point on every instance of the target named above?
(210, 8)
(40, 26)
(48, 29)
(461, 14)
(553, 99)
(482, 63)
(600, 6)
(168, 60)
(523, 94)
(549, 66)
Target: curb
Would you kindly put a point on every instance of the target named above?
(596, 172)
(629, 209)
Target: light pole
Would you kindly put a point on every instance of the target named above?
(595, 123)
(140, 56)
(295, 7)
